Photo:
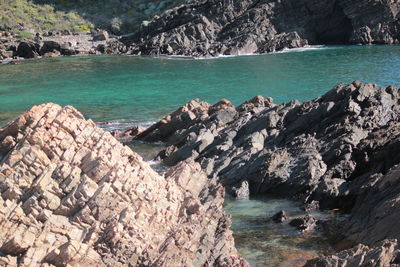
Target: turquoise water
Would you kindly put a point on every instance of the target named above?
(140, 89)
(143, 89)
(265, 243)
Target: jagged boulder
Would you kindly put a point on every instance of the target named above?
(320, 150)
(28, 50)
(71, 194)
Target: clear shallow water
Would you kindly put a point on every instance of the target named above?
(258, 239)
(140, 89)
(265, 243)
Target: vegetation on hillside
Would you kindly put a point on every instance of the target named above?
(119, 16)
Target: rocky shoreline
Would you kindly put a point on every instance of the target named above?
(214, 28)
(335, 152)
(13, 49)
(72, 194)
(209, 28)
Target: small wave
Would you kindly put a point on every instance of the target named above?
(301, 49)
(285, 50)
(121, 125)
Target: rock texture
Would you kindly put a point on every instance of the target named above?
(336, 151)
(228, 27)
(328, 149)
(387, 254)
(72, 195)
(59, 44)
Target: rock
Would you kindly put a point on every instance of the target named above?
(100, 36)
(28, 50)
(338, 151)
(311, 151)
(50, 47)
(376, 212)
(52, 54)
(242, 192)
(212, 28)
(304, 224)
(283, 41)
(183, 118)
(314, 205)
(387, 253)
(71, 194)
(279, 217)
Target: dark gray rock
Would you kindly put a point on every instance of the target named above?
(304, 224)
(49, 46)
(227, 27)
(279, 217)
(241, 192)
(28, 50)
(337, 151)
(313, 151)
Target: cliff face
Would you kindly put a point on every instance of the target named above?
(214, 27)
(73, 195)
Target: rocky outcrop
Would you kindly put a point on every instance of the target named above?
(71, 194)
(336, 151)
(227, 27)
(326, 150)
(386, 254)
(60, 44)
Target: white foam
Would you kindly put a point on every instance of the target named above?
(286, 50)
(121, 125)
(301, 49)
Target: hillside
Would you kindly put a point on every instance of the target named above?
(25, 17)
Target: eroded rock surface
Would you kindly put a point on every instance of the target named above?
(386, 254)
(337, 151)
(215, 27)
(71, 194)
(327, 149)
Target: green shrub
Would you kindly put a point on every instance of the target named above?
(78, 15)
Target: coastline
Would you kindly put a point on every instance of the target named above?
(221, 129)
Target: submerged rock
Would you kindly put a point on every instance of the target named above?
(215, 27)
(71, 194)
(280, 217)
(304, 224)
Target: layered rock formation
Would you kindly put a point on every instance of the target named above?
(71, 194)
(324, 149)
(336, 151)
(215, 27)
(387, 254)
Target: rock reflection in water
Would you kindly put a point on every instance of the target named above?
(265, 243)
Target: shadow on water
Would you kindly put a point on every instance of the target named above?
(265, 243)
